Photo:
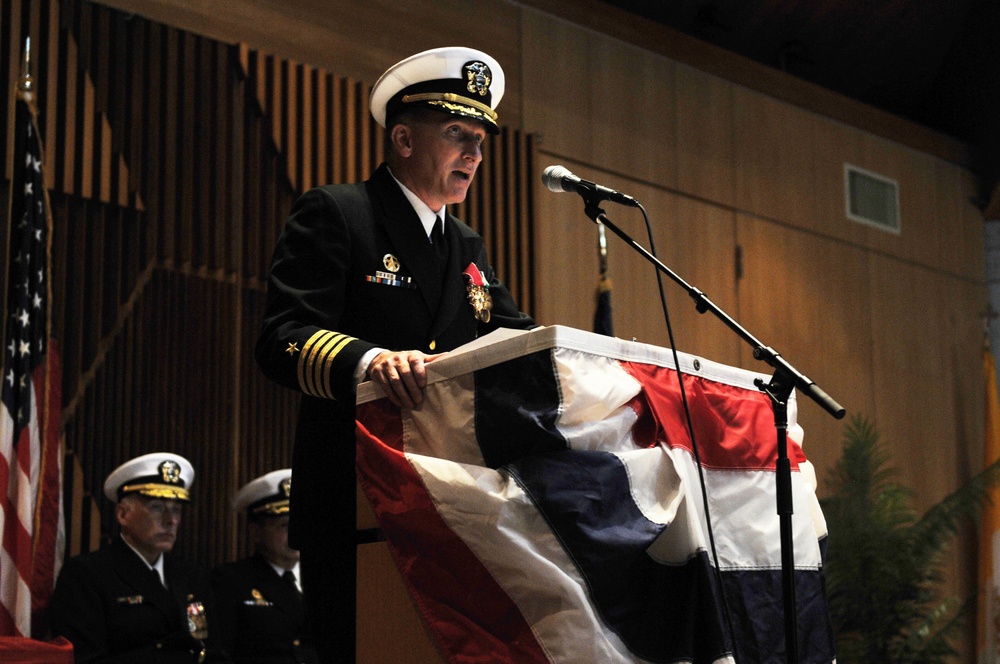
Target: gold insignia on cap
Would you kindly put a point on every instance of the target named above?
(391, 263)
(157, 491)
(170, 471)
(286, 487)
(293, 347)
(478, 76)
(455, 104)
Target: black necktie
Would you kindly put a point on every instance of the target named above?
(156, 575)
(289, 576)
(438, 240)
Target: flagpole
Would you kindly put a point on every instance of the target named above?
(26, 83)
(26, 92)
(602, 249)
(603, 322)
(11, 122)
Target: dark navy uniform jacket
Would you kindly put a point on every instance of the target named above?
(263, 619)
(113, 608)
(332, 296)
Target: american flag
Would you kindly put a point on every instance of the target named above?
(30, 459)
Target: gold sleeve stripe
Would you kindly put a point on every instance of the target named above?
(315, 360)
(333, 347)
(305, 377)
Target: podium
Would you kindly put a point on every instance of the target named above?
(546, 503)
(389, 629)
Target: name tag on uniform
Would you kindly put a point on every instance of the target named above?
(130, 599)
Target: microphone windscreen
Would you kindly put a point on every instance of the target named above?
(554, 178)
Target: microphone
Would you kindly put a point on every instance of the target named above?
(559, 178)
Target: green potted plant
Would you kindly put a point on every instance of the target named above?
(884, 560)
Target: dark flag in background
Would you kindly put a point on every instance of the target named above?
(602, 314)
(30, 464)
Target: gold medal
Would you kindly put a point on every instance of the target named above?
(479, 292)
(481, 301)
(197, 620)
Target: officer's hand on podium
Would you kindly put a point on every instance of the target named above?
(401, 375)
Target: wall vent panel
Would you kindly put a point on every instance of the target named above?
(871, 199)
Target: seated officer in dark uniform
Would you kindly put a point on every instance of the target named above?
(131, 601)
(262, 615)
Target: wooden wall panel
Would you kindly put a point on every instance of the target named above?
(633, 107)
(705, 165)
(958, 223)
(834, 145)
(389, 628)
(807, 297)
(602, 101)
(972, 225)
(355, 39)
(945, 212)
(917, 349)
(560, 112)
(699, 242)
(168, 396)
(773, 159)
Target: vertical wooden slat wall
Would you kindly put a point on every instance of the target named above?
(172, 162)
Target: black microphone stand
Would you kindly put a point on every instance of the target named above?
(785, 379)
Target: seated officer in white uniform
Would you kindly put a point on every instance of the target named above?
(132, 601)
(263, 618)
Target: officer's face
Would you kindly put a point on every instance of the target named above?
(441, 153)
(149, 524)
(270, 538)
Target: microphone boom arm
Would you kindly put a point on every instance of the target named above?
(704, 304)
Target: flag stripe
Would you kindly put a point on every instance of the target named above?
(15, 552)
(508, 638)
(529, 415)
(48, 518)
(734, 426)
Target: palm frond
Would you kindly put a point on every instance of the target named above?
(884, 560)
